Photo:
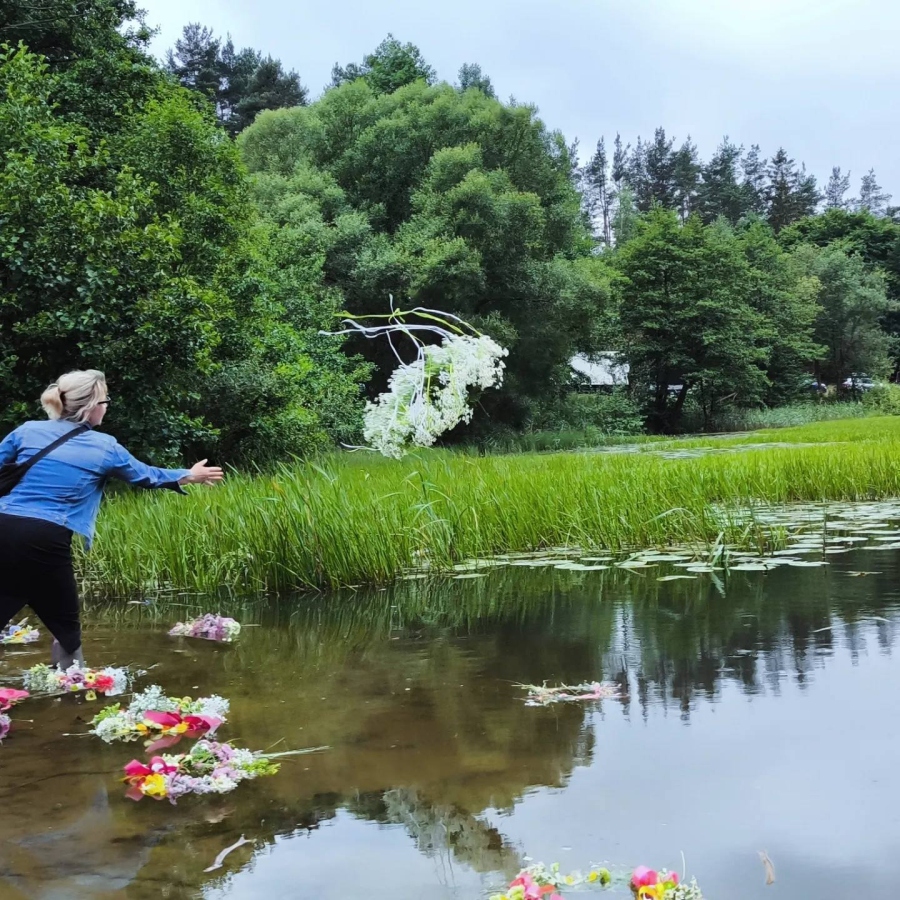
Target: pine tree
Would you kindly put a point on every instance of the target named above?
(720, 193)
(236, 68)
(269, 87)
(636, 176)
(808, 195)
(872, 198)
(626, 217)
(659, 161)
(195, 61)
(792, 193)
(620, 162)
(837, 187)
(755, 183)
(240, 83)
(389, 67)
(471, 76)
(599, 192)
(686, 178)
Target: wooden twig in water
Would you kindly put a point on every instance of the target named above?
(220, 859)
(768, 866)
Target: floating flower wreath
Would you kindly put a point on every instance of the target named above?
(541, 883)
(648, 884)
(164, 720)
(46, 680)
(541, 695)
(9, 697)
(208, 627)
(208, 768)
(23, 633)
(430, 395)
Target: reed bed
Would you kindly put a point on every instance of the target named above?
(350, 520)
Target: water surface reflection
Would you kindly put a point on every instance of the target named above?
(756, 712)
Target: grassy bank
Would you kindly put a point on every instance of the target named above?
(356, 519)
(792, 416)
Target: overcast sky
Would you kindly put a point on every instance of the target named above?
(819, 77)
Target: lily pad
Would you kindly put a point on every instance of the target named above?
(663, 557)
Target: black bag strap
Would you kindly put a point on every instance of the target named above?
(51, 447)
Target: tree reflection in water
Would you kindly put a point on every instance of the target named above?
(414, 691)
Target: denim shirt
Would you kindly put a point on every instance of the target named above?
(66, 486)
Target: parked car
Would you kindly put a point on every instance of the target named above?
(859, 381)
(816, 387)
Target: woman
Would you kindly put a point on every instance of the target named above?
(60, 495)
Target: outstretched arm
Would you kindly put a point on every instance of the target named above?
(133, 471)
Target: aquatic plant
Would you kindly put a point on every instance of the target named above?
(351, 520)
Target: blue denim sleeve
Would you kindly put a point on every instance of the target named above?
(139, 474)
(9, 447)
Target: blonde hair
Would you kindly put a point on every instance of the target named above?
(74, 395)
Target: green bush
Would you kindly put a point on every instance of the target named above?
(613, 413)
(789, 416)
(883, 399)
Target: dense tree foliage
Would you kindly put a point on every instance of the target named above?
(201, 272)
(851, 303)
(240, 83)
(92, 274)
(705, 309)
(391, 66)
(445, 199)
(129, 242)
(733, 184)
(95, 49)
(471, 76)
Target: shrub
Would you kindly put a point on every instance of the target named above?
(883, 399)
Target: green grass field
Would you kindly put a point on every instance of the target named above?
(354, 519)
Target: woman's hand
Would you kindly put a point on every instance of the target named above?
(201, 473)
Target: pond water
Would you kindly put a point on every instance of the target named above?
(758, 713)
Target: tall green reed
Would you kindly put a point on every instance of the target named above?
(353, 520)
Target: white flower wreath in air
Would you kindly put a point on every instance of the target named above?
(432, 394)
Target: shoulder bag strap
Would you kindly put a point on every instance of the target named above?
(51, 447)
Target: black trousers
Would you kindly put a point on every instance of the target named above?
(36, 571)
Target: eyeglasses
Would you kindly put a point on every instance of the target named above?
(103, 402)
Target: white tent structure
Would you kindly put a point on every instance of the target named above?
(603, 371)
